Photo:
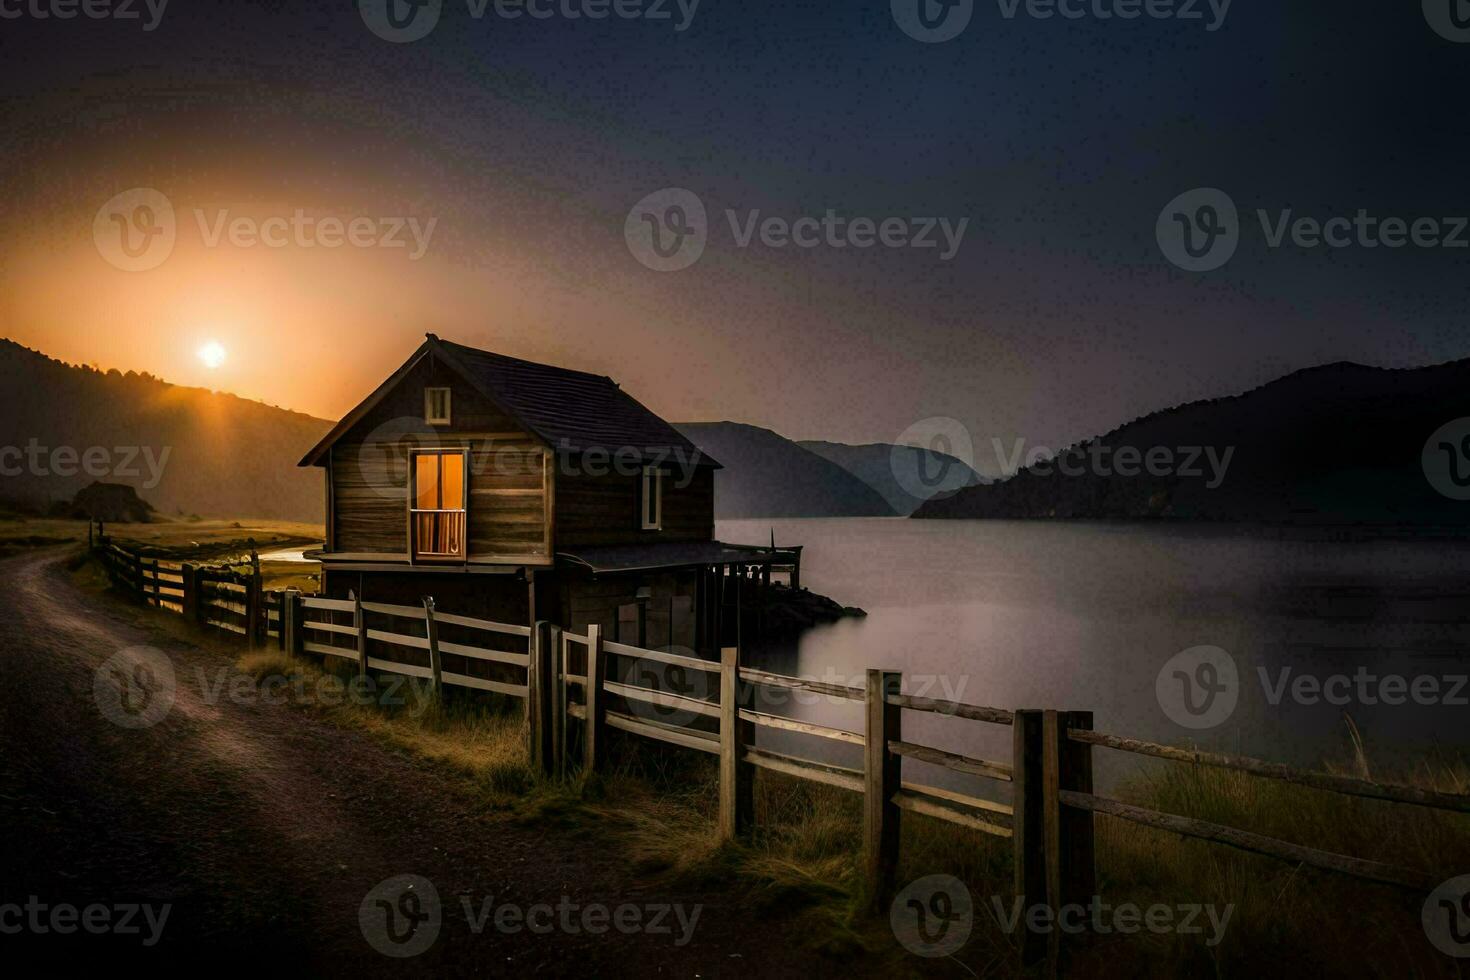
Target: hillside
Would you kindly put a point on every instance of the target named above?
(1336, 444)
(184, 450)
(906, 476)
(768, 475)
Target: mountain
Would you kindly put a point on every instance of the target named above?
(1336, 444)
(906, 476)
(768, 475)
(184, 450)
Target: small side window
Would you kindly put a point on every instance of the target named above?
(436, 406)
(653, 499)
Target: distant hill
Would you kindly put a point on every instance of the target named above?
(906, 476)
(768, 475)
(114, 502)
(1337, 444)
(182, 449)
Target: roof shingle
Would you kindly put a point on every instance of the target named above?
(571, 411)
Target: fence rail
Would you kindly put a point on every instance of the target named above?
(1331, 782)
(710, 707)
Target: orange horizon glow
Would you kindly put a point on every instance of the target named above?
(314, 330)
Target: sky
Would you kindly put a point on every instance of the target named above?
(502, 175)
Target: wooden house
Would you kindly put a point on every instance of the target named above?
(518, 491)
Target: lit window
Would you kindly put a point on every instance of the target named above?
(653, 499)
(436, 406)
(438, 511)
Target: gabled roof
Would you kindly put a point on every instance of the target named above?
(571, 411)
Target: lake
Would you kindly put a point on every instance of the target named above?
(1322, 635)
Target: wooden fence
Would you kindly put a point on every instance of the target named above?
(214, 596)
(577, 687)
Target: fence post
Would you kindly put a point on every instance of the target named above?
(1027, 825)
(258, 625)
(199, 606)
(737, 796)
(882, 770)
(291, 621)
(538, 691)
(191, 592)
(557, 715)
(431, 630)
(252, 610)
(361, 627)
(280, 603)
(1078, 852)
(1051, 829)
(592, 731)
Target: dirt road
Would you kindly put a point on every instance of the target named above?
(264, 830)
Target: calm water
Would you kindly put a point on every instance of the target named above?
(1085, 615)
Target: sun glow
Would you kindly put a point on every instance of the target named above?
(212, 354)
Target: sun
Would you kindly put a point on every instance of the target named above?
(212, 354)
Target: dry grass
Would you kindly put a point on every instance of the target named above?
(802, 859)
(483, 743)
(1311, 920)
(182, 539)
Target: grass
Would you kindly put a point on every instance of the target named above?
(198, 540)
(182, 539)
(802, 858)
(483, 743)
(656, 806)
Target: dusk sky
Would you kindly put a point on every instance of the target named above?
(526, 142)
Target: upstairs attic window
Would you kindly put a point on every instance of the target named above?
(436, 406)
(652, 499)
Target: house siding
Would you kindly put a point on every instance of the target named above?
(604, 510)
(509, 479)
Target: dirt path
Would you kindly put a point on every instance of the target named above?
(264, 830)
